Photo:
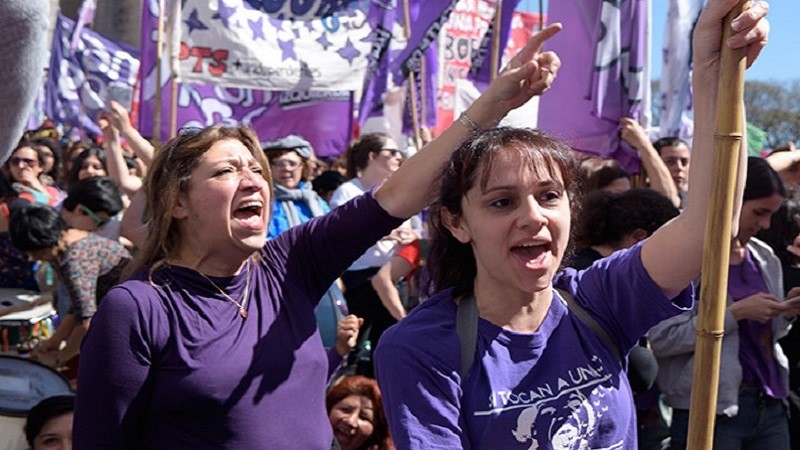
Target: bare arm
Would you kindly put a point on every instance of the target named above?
(115, 162)
(657, 171)
(383, 283)
(529, 73)
(673, 255)
(120, 119)
(132, 227)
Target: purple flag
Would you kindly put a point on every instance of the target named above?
(427, 20)
(376, 80)
(428, 98)
(481, 65)
(85, 16)
(323, 118)
(77, 82)
(605, 48)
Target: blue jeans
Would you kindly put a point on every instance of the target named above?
(762, 423)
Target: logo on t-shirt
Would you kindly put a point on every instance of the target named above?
(565, 412)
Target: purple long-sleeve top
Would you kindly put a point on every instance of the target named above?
(170, 363)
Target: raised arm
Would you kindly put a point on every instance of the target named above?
(657, 171)
(115, 161)
(673, 255)
(529, 73)
(119, 117)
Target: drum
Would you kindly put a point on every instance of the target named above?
(25, 319)
(23, 384)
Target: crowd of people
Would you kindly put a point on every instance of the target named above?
(502, 290)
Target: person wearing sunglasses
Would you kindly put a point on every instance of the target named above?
(87, 264)
(24, 168)
(370, 162)
(94, 204)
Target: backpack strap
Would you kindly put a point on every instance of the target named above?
(467, 328)
(467, 331)
(590, 322)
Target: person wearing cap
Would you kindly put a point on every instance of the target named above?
(294, 201)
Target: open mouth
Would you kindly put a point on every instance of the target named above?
(531, 254)
(250, 213)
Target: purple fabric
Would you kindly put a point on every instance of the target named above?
(481, 65)
(376, 80)
(759, 368)
(587, 101)
(521, 391)
(171, 364)
(85, 16)
(427, 18)
(322, 118)
(302, 9)
(77, 81)
(428, 98)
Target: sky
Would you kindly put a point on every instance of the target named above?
(780, 60)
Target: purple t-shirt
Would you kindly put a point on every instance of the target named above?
(171, 364)
(560, 387)
(759, 368)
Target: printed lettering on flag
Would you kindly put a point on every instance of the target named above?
(77, 81)
(322, 117)
(461, 39)
(231, 43)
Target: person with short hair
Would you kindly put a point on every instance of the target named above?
(356, 414)
(49, 424)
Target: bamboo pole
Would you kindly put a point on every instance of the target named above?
(174, 47)
(159, 55)
(541, 15)
(495, 67)
(412, 83)
(716, 256)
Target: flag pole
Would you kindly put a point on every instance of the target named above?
(159, 55)
(174, 28)
(541, 15)
(716, 256)
(412, 84)
(498, 9)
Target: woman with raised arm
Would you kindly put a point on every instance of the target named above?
(537, 363)
(212, 342)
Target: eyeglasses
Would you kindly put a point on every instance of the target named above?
(183, 135)
(15, 161)
(284, 164)
(99, 221)
(393, 152)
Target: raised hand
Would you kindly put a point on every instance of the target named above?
(530, 72)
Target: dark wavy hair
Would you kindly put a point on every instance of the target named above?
(36, 227)
(97, 152)
(99, 194)
(366, 387)
(453, 262)
(607, 217)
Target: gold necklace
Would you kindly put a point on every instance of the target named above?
(245, 297)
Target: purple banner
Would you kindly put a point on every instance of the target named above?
(77, 82)
(427, 19)
(376, 80)
(323, 118)
(481, 65)
(587, 101)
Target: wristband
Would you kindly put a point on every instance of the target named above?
(468, 123)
